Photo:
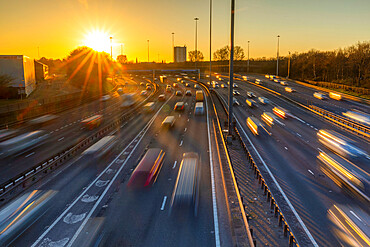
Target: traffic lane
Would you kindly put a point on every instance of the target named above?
(185, 230)
(146, 213)
(311, 122)
(304, 129)
(329, 104)
(309, 197)
(71, 180)
(56, 142)
(303, 164)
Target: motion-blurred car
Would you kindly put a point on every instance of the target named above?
(196, 86)
(263, 100)
(105, 98)
(187, 85)
(284, 83)
(161, 97)
(289, 89)
(235, 85)
(223, 85)
(236, 93)
(168, 122)
(144, 93)
(148, 88)
(180, 106)
(178, 93)
(251, 103)
(250, 94)
(235, 102)
(188, 93)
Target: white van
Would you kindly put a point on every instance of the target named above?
(199, 108)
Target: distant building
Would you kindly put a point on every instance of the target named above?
(21, 69)
(41, 71)
(180, 54)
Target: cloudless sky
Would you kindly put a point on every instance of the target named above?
(59, 26)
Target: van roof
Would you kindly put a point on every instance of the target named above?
(187, 175)
(148, 160)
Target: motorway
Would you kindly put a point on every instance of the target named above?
(92, 205)
(304, 95)
(290, 154)
(63, 133)
(87, 202)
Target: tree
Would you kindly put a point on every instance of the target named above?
(122, 59)
(192, 56)
(238, 53)
(223, 53)
(88, 69)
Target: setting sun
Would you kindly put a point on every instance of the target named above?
(97, 40)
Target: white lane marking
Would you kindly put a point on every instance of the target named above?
(164, 202)
(300, 120)
(185, 129)
(101, 183)
(58, 243)
(60, 139)
(87, 198)
(214, 200)
(316, 129)
(72, 219)
(188, 119)
(279, 188)
(320, 149)
(299, 135)
(311, 172)
(181, 143)
(286, 148)
(174, 164)
(52, 132)
(355, 215)
(146, 128)
(28, 155)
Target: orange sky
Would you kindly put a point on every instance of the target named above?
(59, 26)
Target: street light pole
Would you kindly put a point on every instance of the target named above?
(231, 72)
(196, 41)
(210, 41)
(148, 50)
(248, 59)
(288, 65)
(277, 57)
(111, 48)
(173, 46)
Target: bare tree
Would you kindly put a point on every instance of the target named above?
(223, 53)
(192, 56)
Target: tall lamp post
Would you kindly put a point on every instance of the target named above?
(173, 46)
(248, 59)
(231, 69)
(277, 57)
(148, 50)
(288, 65)
(196, 41)
(210, 41)
(111, 48)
